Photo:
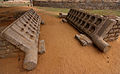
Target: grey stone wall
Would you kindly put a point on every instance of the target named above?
(6, 48)
(90, 5)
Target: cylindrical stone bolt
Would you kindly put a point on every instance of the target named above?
(101, 44)
(30, 61)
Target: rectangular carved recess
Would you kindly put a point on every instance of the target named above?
(94, 25)
(24, 32)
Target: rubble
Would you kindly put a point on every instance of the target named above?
(62, 15)
(64, 20)
(42, 22)
(84, 40)
(114, 32)
(41, 47)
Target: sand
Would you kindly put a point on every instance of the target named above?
(64, 54)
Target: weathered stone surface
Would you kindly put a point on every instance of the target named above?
(64, 20)
(41, 47)
(42, 22)
(96, 27)
(62, 15)
(6, 48)
(24, 34)
(84, 40)
(82, 5)
(114, 32)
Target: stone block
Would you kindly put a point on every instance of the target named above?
(24, 34)
(94, 26)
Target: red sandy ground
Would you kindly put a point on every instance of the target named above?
(64, 53)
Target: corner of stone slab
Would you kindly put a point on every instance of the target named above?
(106, 49)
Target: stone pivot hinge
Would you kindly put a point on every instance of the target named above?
(24, 33)
(98, 28)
